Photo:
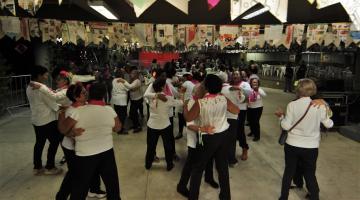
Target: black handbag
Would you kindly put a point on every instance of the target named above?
(284, 133)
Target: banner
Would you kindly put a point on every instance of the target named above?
(273, 34)
(165, 34)
(24, 27)
(315, 34)
(34, 27)
(8, 4)
(96, 32)
(205, 34)
(76, 31)
(250, 33)
(145, 34)
(11, 26)
(50, 30)
(340, 32)
(181, 34)
(294, 32)
(190, 35)
(228, 35)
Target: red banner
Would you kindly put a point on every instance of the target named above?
(145, 58)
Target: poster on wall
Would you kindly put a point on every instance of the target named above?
(190, 35)
(24, 27)
(34, 27)
(145, 34)
(250, 34)
(205, 34)
(228, 35)
(340, 32)
(273, 34)
(50, 29)
(181, 34)
(294, 33)
(165, 34)
(315, 34)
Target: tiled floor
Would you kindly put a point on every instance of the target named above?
(258, 178)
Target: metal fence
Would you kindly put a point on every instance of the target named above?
(13, 92)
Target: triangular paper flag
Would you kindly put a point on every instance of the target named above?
(182, 5)
(140, 10)
(322, 3)
(138, 3)
(60, 1)
(278, 8)
(212, 3)
(311, 1)
(8, 4)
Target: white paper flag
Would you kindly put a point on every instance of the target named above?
(273, 34)
(141, 10)
(8, 4)
(182, 5)
(165, 34)
(11, 26)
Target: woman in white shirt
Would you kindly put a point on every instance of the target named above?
(159, 125)
(119, 98)
(255, 108)
(212, 110)
(94, 147)
(303, 140)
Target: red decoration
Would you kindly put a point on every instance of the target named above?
(145, 58)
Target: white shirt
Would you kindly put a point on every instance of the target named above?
(234, 97)
(135, 89)
(69, 142)
(258, 103)
(224, 76)
(43, 109)
(246, 88)
(82, 78)
(213, 112)
(189, 89)
(98, 122)
(59, 95)
(159, 118)
(119, 93)
(191, 137)
(307, 133)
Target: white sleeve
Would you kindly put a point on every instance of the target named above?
(150, 93)
(50, 102)
(53, 95)
(262, 92)
(325, 120)
(246, 88)
(134, 85)
(287, 121)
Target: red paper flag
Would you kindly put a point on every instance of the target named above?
(212, 3)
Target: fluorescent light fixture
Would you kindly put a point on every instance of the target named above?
(102, 8)
(256, 13)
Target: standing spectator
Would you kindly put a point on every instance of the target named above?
(301, 73)
(289, 73)
(303, 140)
(253, 70)
(44, 120)
(255, 108)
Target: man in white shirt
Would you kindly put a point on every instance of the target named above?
(44, 119)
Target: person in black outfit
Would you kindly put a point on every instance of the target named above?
(289, 73)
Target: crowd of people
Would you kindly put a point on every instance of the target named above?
(212, 102)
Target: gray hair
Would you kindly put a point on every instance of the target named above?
(306, 88)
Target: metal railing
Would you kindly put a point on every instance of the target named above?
(13, 92)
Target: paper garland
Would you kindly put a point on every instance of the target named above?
(315, 34)
(145, 34)
(165, 34)
(31, 6)
(273, 34)
(212, 3)
(8, 4)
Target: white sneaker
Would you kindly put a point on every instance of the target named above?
(53, 171)
(100, 194)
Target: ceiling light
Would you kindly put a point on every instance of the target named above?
(256, 13)
(103, 9)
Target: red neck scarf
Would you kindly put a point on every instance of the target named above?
(97, 102)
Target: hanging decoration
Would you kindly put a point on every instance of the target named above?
(8, 4)
(278, 8)
(250, 34)
(190, 35)
(31, 6)
(273, 34)
(165, 34)
(182, 5)
(140, 6)
(205, 35)
(352, 8)
(11, 26)
(34, 27)
(340, 32)
(24, 27)
(228, 34)
(145, 34)
(315, 34)
(294, 32)
(212, 3)
(50, 30)
(181, 34)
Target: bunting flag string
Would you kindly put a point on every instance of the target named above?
(31, 6)
(8, 4)
(182, 5)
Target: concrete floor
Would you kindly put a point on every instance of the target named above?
(258, 178)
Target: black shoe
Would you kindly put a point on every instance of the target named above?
(176, 158)
(180, 135)
(250, 134)
(256, 139)
(183, 191)
(212, 183)
(170, 167)
(63, 160)
(137, 130)
(307, 196)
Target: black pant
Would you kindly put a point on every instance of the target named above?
(121, 112)
(188, 166)
(172, 138)
(148, 111)
(182, 122)
(241, 126)
(307, 158)
(152, 139)
(134, 114)
(254, 115)
(141, 108)
(233, 129)
(65, 188)
(214, 146)
(85, 167)
(50, 132)
(288, 85)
